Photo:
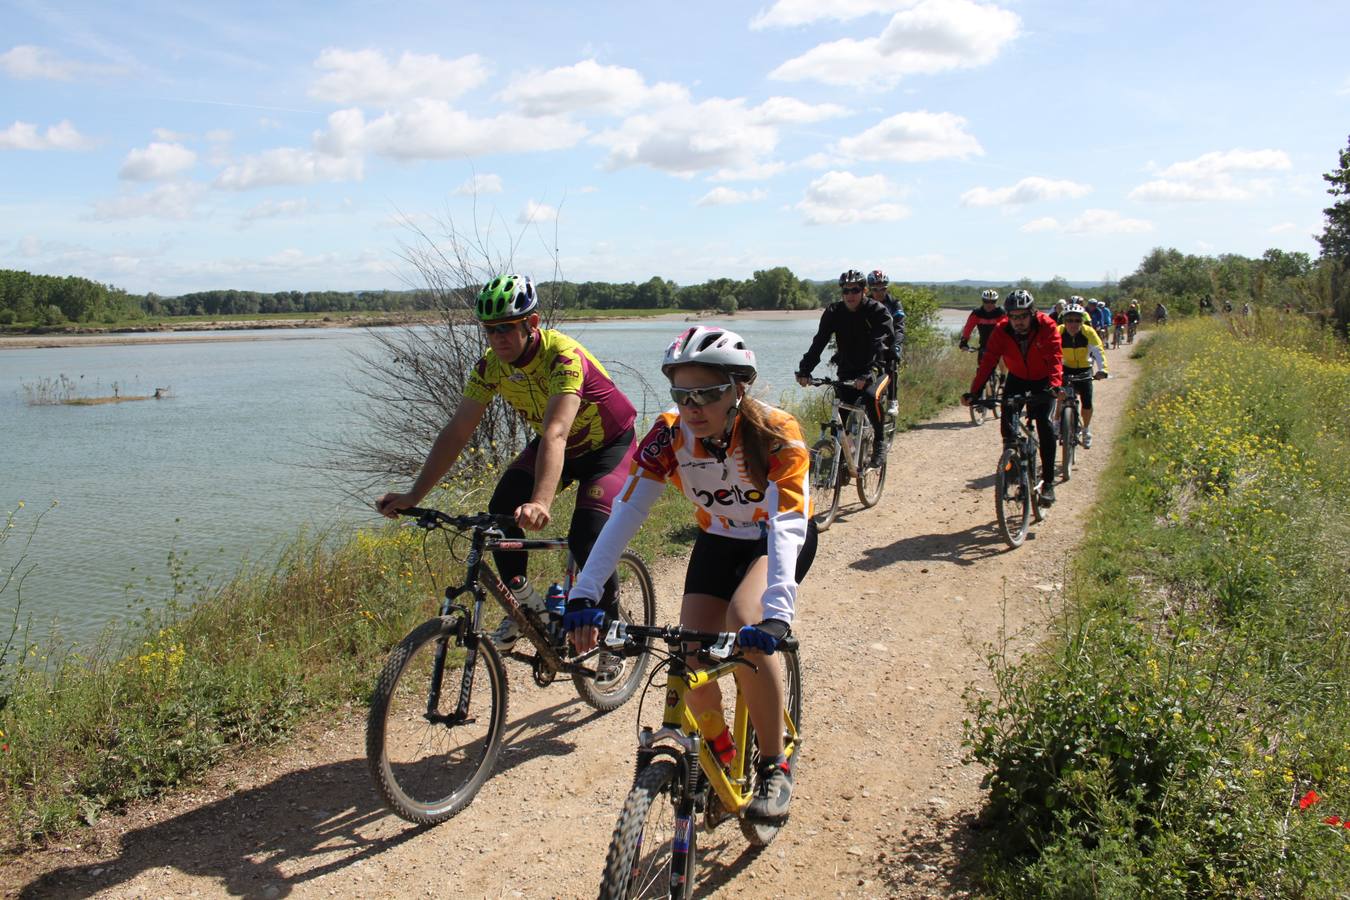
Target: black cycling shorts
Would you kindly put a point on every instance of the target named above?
(718, 563)
(1082, 388)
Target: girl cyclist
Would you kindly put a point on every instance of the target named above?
(744, 466)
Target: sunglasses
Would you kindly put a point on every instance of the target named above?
(503, 328)
(990, 301)
(852, 290)
(699, 396)
(1076, 320)
(1019, 316)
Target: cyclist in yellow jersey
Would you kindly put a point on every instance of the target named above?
(584, 426)
(1081, 345)
(745, 468)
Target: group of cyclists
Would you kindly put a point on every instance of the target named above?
(740, 462)
(1039, 352)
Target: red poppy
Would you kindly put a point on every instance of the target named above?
(1332, 821)
(1308, 800)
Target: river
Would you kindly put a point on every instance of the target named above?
(224, 471)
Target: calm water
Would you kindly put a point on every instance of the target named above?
(223, 471)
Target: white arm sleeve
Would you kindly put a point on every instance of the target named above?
(787, 534)
(624, 521)
(1095, 355)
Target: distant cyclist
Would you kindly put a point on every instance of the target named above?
(1082, 346)
(584, 425)
(1058, 312)
(1028, 344)
(863, 336)
(982, 318)
(1159, 314)
(878, 288)
(745, 468)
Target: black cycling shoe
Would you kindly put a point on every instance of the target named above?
(878, 458)
(773, 792)
(1048, 495)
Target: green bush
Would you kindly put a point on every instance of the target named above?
(1197, 684)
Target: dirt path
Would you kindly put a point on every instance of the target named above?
(893, 618)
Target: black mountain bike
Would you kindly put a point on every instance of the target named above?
(842, 453)
(1017, 487)
(438, 711)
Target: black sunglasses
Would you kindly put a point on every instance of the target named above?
(503, 328)
(851, 290)
(699, 396)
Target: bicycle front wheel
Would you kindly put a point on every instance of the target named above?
(618, 677)
(870, 480)
(647, 856)
(1068, 439)
(426, 762)
(1012, 498)
(825, 481)
(760, 834)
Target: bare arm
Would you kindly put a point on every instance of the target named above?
(559, 415)
(444, 451)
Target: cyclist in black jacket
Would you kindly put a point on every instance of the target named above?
(864, 335)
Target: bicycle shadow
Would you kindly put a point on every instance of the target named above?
(983, 483)
(948, 846)
(943, 426)
(247, 843)
(718, 861)
(965, 548)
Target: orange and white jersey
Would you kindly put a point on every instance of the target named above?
(726, 501)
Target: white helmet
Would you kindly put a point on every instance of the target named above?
(1073, 309)
(709, 345)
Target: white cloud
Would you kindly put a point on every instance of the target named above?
(366, 77)
(480, 184)
(277, 209)
(840, 198)
(725, 196)
(28, 62)
(1222, 162)
(752, 172)
(26, 136)
(157, 162)
(166, 134)
(177, 200)
(1091, 221)
(289, 165)
(1106, 221)
(786, 13)
(912, 137)
(1028, 190)
(791, 111)
(535, 212)
(1210, 177)
(432, 129)
(931, 36)
(612, 90)
(1045, 223)
(727, 136)
(1162, 190)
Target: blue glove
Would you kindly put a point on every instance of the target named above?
(763, 637)
(583, 613)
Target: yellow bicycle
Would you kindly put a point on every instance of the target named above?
(654, 847)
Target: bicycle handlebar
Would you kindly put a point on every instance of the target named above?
(434, 518)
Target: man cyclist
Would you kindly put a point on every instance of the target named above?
(863, 337)
(584, 426)
(878, 289)
(1132, 317)
(1028, 344)
(1058, 311)
(983, 317)
(1081, 347)
(1159, 314)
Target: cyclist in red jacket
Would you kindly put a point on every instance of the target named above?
(1028, 343)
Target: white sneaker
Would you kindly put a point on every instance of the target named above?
(507, 633)
(1087, 439)
(894, 409)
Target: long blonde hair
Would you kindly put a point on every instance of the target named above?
(759, 437)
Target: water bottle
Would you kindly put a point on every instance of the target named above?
(526, 595)
(556, 601)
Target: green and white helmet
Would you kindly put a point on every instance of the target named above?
(506, 297)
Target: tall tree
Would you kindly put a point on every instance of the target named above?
(1335, 240)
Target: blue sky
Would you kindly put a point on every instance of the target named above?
(186, 146)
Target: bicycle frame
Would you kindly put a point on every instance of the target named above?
(845, 425)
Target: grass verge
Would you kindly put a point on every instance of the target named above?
(149, 706)
(1186, 730)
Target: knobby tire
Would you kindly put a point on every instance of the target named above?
(826, 481)
(640, 852)
(1012, 498)
(637, 604)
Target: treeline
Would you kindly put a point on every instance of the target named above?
(247, 303)
(1187, 283)
(52, 300)
(776, 288)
